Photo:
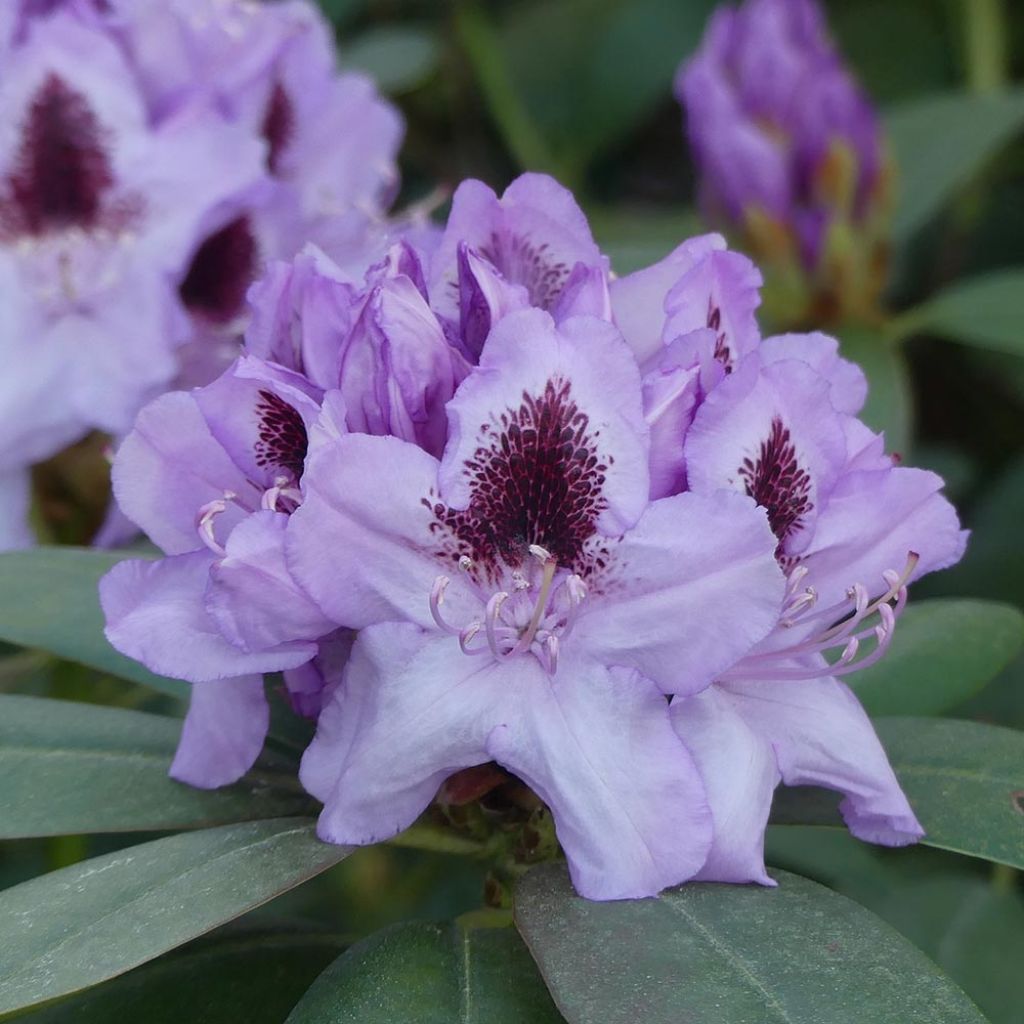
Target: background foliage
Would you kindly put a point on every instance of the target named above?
(579, 88)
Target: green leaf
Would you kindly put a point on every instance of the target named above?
(84, 924)
(430, 973)
(965, 781)
(399, 57)
(943, 652)
(49, 600)
(255, 976)
(70, 768)
(890, 404)
(635, 238)
(799, 954)
(987, 312)
(940, 142)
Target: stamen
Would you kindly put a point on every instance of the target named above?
(541, 554)
(491, 622)
(550, 647)
(844, 634)
(205, 518)
(436, 600)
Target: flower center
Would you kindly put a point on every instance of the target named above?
(534, 617)
(220, 274)
(536, 479)
(282, 440)
(61, 173)
(532, 266)
(778, 483)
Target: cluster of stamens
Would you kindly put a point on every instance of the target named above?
(534, 616)
(283, 496)
(846, 625)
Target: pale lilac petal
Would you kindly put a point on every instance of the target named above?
(849, 386)
(484, 298)
(740, 775)
(169, 467)
(585, 293)
(251, 596)
(822, 737)
(535, 234)
(773, 433)
(223, 733)
(720, 291)
(638, 299)
(368, 520)
(526, 355)
(260, 414)
(687, 592)
(873, 521)
(411, 710)
(597, 745)
(155, 613)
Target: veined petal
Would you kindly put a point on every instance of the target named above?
(168, 467)
(773, 433)
(364, 543)
(223, 734)
(874, 519)
(535, 234)
(156, 614)
(638, 299)
(822, 737)
(597, 745)
(740, 775)
(411, 710)
(687, 592)
(549, 387)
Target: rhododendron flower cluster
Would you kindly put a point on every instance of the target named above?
(491, 504)
(155, 157)
(790, 154)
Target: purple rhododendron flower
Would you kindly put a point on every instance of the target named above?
(156, 157)
(523, 601)
(788, 148)
(97, 210)
(775, 419)
(212, 477)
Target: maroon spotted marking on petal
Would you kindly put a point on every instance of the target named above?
(282, 440)
(221, 272)
(532, 266)
(777, 482)
(61, 173)
(537, 478)
(722, 351)
(278, 126)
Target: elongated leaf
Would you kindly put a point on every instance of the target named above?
(943, 652)
(430, 973)
(76, 927)
(398, 57)
(72, 768)
(49, 600)
(255, 976)
(987, 312)
(940, 142)
(799, 954)
(890, 403)
(965, 781)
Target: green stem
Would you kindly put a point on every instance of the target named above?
(985, 34)
(483, 48)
